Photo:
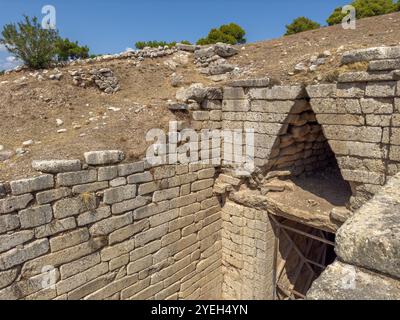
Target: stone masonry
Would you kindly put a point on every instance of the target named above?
(106, 229)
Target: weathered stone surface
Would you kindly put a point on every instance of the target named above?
(54, 227)
(322, 91)
(33, 184)
(15, 239)
(93, 215)
(390, 64)
(69, 239)
(107, 173)
(52, 195)
(351, 133)
(56, 259)
(11, 204)
(69, 269)
(166, 194)
(16, 257)
(90, 187)
(362, 149)
(130, 168)
(381, 89)
(150, 210)
(128, 231)
(363, 76)
(119, 194)
(73, 206)
(8, 223)
(75, 178)
(231, 93)
(56, 166)
(104, 157)
(105, 227)
(378, 53)
(35, 216)
(377, 106)
(150, 235)
(129, 205)
(345, 282)
(7, 277)
(371, 237)
(262, 82)
(350, 90)
(140, 178)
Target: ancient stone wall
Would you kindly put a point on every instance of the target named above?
(116, 231)
(368, 264)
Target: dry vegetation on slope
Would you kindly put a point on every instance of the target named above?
(30, 108)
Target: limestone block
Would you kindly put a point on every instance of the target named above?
(346, 282)
(107, 173)
(322, 91)
(52, 195)
(166, 194)
(56, 166)
(35, 216)
(335, 106)
(13, 240)
(7, 277)
(8, 222)
(106, 226)
(69, 239)
(235, 106)
(104, 157)
(377, 106)
(363, 176)
(78, 266)
(150, 210)
(378, 120)
(247, 83)
(150, 235)
(140, 178)
(75, 178)
(83, 282)
(364, 76)
(73, 206)
(11, 204)
(147, 188)
(54, 227)
(343, 119)
(388, 64)
(90, 187)
(128, 231)
(129, 205)
(18, 256)
(378, 53)
(351, 133)
(112, 288)
(59, 258)
(361, 149)
(92, 216)
(370, 238)
(381, 89)
(130, 168)
(33, 184)
(232, 93)
(119, 194)
(350, 90)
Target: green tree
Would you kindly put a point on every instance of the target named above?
(229, 33)
(67, 50)
(156, 44)
(301, 24)
(29, 42)
(365, 8)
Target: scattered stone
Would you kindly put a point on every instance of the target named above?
(56, 166)
(27, 143)
(59, 122)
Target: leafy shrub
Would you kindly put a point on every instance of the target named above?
(67, 50)
(229, 33)
(301, 24)
(365, 8)
(29, 42)
(156, 44)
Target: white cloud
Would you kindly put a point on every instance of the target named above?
(11, 59)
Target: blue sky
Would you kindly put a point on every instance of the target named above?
(112, 26)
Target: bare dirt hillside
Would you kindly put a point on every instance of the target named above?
(93, 120)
